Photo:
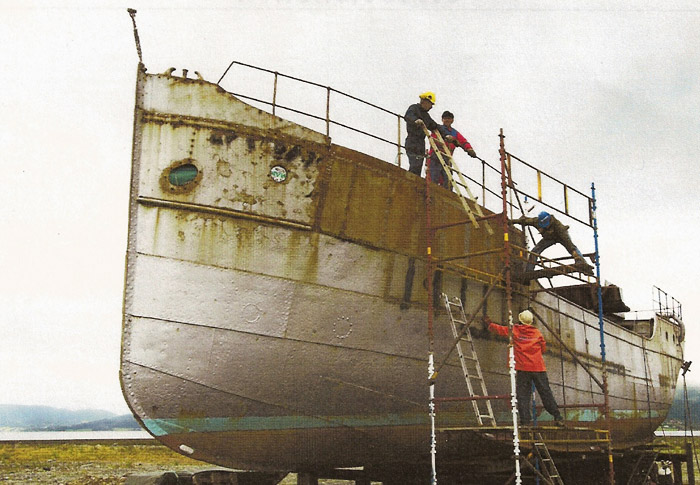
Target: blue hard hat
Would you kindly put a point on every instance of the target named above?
(544, 219)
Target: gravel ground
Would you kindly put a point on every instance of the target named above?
(96, 462)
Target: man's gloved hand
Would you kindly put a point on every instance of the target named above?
(486, 321)
(420, 122)
(471, 153)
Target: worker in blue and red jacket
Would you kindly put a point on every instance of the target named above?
(416, 118)
(453, 139)
(528, 347)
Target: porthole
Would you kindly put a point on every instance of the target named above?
(278, 174)
(183, 175)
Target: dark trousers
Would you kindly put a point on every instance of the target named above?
(543, 244)
(415, 150)
(437, 173)
(523, 392)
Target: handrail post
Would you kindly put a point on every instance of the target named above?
(274, 94)
(398, 141)
(328, 111)
(483, 183)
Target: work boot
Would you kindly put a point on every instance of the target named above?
(582, 265)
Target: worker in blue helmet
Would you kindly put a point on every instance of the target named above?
(552, 232)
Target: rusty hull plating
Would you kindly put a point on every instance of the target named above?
(279, 323)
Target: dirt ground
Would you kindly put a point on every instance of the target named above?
(110, 462)
(96, 462)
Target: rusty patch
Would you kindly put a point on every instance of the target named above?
(251, 143)
(293, 153)
(279, 150)
(311, 158)
(221, 137)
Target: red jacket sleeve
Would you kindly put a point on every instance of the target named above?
(499, 329)
(462, 142)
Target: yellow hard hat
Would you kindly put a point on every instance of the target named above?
(429, 95)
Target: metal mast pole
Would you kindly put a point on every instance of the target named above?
(509, 303)
(601, 325)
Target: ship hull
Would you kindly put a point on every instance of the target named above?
(282, 325)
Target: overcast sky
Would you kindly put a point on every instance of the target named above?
(601, 91)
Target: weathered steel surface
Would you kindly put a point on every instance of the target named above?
(282, 325)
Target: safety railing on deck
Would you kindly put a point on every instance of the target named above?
(530, 182)
(334, 100)
(327, 118)
(666, 305)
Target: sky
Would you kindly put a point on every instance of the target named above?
(589, 91)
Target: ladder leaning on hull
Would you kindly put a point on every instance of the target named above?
(471, 367)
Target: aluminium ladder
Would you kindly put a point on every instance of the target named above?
(549, 469)
(472, 373)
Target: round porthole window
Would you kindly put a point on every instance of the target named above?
(278, 173)
(183, 175)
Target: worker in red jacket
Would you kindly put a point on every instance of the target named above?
(528, 347)
(453, 139)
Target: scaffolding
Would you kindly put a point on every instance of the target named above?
(509, 252)
(387, 135)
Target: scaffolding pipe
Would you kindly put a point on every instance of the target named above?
(431, 335)
(509, 305)
(566, 347)
(601, 325)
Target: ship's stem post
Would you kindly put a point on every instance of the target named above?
(505, 180)
(601, 325)
(431, 335)
(132, 14)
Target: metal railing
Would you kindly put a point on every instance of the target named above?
(487, 178)
(666, 305)
(327, 118)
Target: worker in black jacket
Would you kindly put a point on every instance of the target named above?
(553, 232)
(416, 117)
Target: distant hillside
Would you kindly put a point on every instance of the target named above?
(676, 415)
(20, 416)
(126, 422)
